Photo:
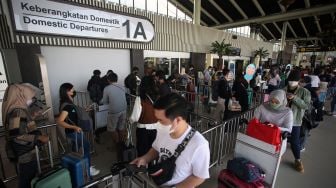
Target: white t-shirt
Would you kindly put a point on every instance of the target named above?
(194, 159)
(315, 80)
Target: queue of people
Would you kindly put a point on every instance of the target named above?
(162, 124)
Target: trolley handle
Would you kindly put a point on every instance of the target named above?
(285, 134)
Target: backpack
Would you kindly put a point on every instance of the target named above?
(309, 117)
(84, 120)
(126, 81)
(245, 170)
(95, 92)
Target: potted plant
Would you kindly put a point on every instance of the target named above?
(262, 53)
(220, 48)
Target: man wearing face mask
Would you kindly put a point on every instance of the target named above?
(299, 101)
(192, 166)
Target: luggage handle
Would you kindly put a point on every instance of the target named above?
(38, 157)
(82, 141)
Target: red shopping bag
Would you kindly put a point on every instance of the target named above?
(269, 133)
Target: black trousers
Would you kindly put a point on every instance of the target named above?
(145, 139)
(27, 171)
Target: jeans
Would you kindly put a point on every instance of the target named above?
(27, 171)
(304, 133)
(295, 141)
(72, 137)
(333, 105)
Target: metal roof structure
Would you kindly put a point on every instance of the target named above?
(310, 22)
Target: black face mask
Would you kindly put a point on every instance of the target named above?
(74, 94)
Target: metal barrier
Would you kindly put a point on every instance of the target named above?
(82, 99)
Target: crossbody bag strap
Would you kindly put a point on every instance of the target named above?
(75, 107)
(183, 144)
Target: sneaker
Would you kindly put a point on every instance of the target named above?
(94, 171)
(303, 149)
(298, 166)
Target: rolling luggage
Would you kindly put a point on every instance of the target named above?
(56, 178)
(227, 179)
(78, 165)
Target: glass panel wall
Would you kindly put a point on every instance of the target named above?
(128, 3)
(171, 10)
(152, 5)
(168, 65)
(141, 4)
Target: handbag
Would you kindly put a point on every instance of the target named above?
(136, 112)
(266, 132)
(234, 105)
(163, 171)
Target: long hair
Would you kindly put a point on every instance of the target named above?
(64, 88)
(148, 87)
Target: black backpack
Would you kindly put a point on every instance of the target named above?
(309, 118)
(95, 92)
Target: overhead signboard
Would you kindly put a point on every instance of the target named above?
(56, 18)
(316, 49)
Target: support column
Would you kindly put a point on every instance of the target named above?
(283, 36)
(197, 12)
(252, 31)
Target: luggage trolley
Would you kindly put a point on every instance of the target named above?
(262, 154)
(120, 177)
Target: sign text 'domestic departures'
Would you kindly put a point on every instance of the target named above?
(43, 16)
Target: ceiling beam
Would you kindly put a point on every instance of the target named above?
(233, 2)
(321, 41)
(298, 39)
(292, 30)
(264, 26)
(281, 16)
(185, 10)
(256, 3)
(277, 27)
(207, 13)
(304, 27)
(317, 22)
(307, 3)
(221, 10)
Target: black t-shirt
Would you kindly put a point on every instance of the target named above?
(72, 117)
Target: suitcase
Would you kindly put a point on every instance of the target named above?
(57, 178)
(78, 166)
(226, 179)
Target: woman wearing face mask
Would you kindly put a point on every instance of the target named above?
(299, 101)
(22, 133)
(276, 112)
(68, 119)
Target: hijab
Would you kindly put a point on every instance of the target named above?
(280, 95)
(16, 96)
